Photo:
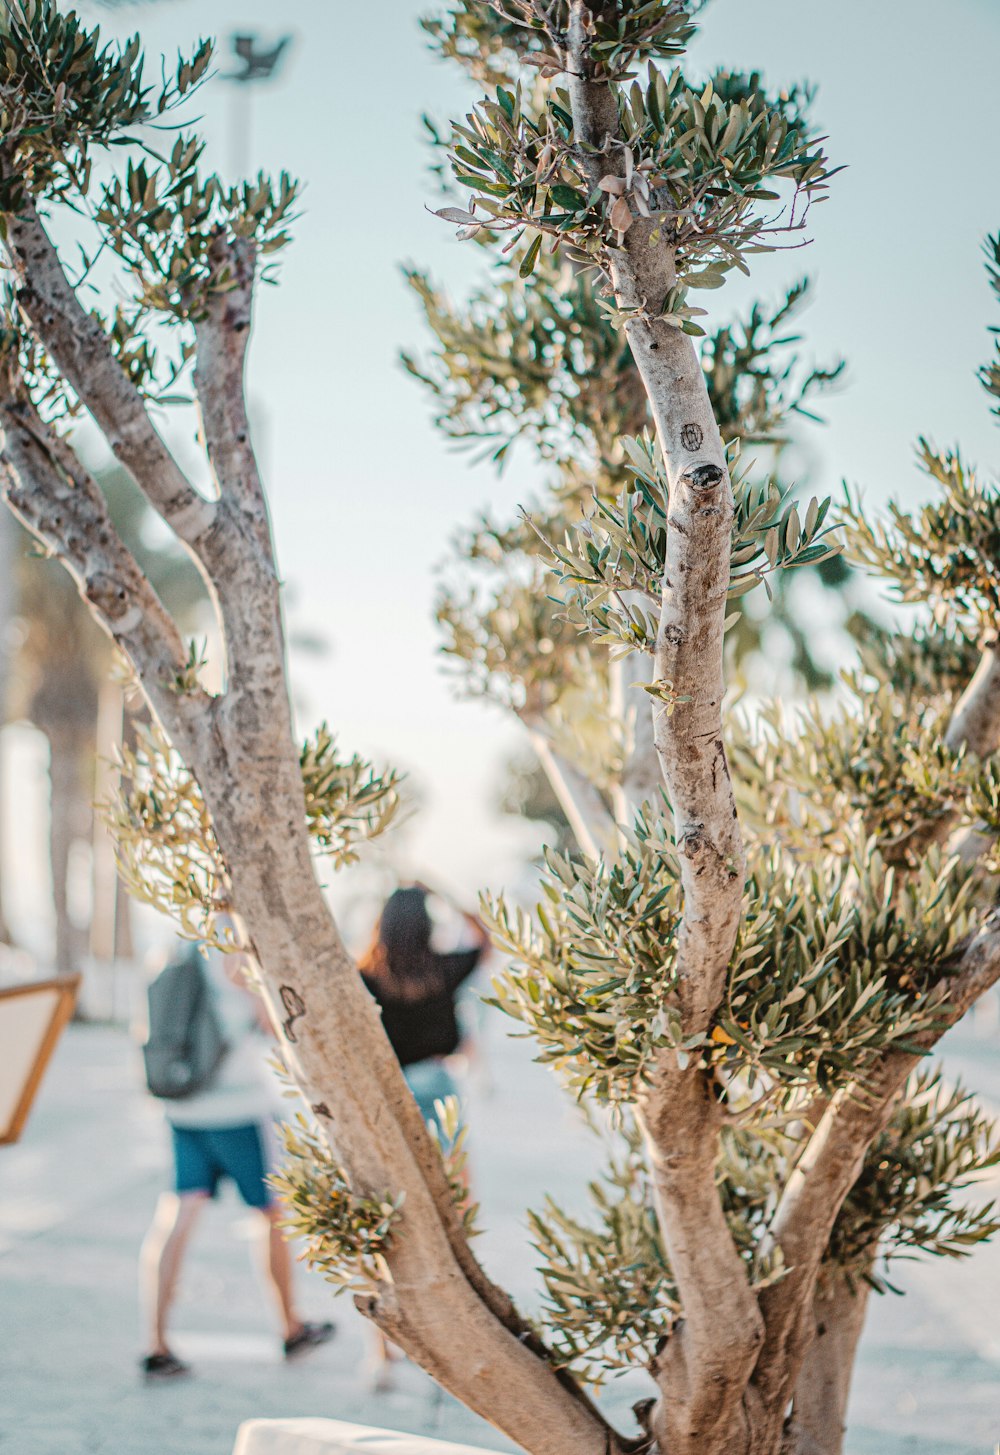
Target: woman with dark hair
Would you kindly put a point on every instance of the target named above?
(416, 986)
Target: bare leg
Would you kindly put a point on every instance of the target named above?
(161, 1258)
(278, 1270)
(380, 1360)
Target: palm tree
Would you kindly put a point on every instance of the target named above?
(62, 664)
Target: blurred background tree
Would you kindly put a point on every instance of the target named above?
(66, 681)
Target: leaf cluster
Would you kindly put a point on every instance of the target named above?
(347, 802)
(165, 845)
(346, 1235)
(63, 93)
(989, 374)
(610, 1297)
(836, 962)
(937, 1144)
(945, 555)
(619, 32)
(27, 365)
(176, 230)
(925, 664)
(618, 553)
(538, 359)
(696, 165)
(591, 976)
(879, 758)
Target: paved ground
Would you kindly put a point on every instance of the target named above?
(76, 1194)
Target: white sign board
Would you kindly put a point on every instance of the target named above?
(336, 1437)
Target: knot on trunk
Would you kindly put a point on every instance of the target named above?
(110, 597)
(703, 477)
(692, 841)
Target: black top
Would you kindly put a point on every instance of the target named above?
(419, 1029)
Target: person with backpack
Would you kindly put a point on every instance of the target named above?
(206, 1059)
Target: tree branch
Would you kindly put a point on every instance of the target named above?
(819, 1410)
(702, 1393)
(975, 723)
(689, 646)
(825, 1174)
(222, 336)
(704, 1368)
(592, 824)
(57, 499)
(78, 344)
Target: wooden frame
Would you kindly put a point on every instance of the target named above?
(25, 1069)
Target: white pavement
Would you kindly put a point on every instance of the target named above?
(76, 1195)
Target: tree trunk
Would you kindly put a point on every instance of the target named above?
(819, 1410)
(68, 813)
(7, 553)
(435, 1306)
(111, 936)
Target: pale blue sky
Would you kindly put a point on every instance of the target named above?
(365, 494)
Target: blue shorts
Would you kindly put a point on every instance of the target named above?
(430, 1082)
(203, 1155)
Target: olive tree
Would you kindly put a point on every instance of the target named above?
(750, 993)
(782, 1142)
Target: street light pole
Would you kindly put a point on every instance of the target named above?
(259, 62)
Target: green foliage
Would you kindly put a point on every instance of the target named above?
(538, 359)
(837, 957)
(591, 978)
(166, 847)
(989, 374)
(347, 803)
(26, 364)
(837, 961)
(929, 662)
(937, 1144)
(697, 164)
(879, 758)
(63, 93)
(492, 372)
(946, 554)
(610, 1297)
(619, 552)
(65, 96)
(756, 380)
(450, 1134)
(346, 1235)
(176, 230)
(481, 40)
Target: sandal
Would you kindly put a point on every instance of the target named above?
(309, 1336)
(162, 1366)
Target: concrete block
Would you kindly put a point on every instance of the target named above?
(336, 1437)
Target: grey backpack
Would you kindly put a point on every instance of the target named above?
(185, 1045)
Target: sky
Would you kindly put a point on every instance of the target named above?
(365, 495)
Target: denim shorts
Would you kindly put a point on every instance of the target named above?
(204, 1155)
(430, 1081)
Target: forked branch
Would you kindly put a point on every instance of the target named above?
(79, 345)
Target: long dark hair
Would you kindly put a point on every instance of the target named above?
(399, 959)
